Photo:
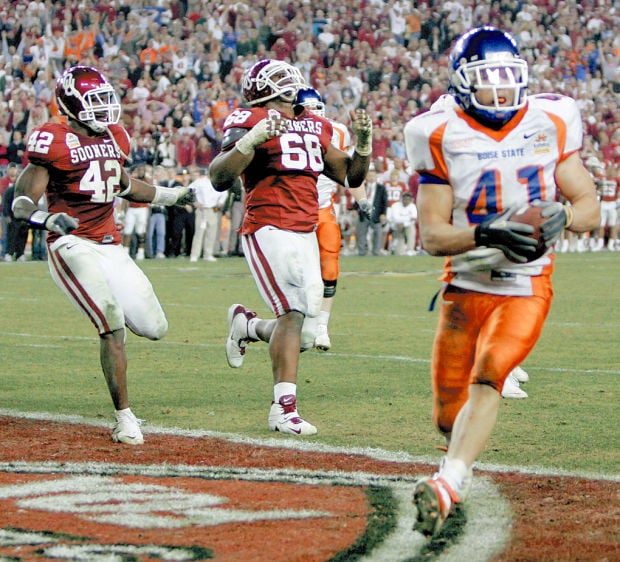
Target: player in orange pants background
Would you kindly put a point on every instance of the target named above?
(328, 229)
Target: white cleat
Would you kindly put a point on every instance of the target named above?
(322, 341)
(237, 341)
(434, 501)
(283, 417)
(127, 428)
(520, 374)
(512, 389)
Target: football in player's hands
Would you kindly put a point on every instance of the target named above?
(532, 215)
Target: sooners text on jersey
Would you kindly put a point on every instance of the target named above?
(84, 176)
(280, 182)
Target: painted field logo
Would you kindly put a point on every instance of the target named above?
(116, 516)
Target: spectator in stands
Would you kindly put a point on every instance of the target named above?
(17, 231)
(571, 47)
(16, 148)
(180, 225)
(402, 217)
(372, 230)
(156, 232)
(185, 150)
(7, 180)
(208, 206)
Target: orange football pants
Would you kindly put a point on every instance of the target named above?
(330, 239)
(480, 338)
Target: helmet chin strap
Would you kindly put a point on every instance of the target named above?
(491, 124)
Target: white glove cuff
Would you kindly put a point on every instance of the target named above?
(364, 146)
(165, 195)
(255, 136)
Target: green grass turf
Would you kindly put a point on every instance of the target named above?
(371, 390)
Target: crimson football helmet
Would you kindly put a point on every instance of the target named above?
(487, 58)
(84, 94)
(269, 79)
(312, 100)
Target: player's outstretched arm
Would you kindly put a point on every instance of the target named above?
(29, 188)
(134, 189)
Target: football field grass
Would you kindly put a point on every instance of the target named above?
(371, 390)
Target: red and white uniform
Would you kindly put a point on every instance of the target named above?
(280, 182)
(609, 199)
(89, 265)
(490, 171)
(281, 212)
(85, 174)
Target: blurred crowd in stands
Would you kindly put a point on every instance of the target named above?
(177, 66)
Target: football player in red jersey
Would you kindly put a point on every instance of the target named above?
(79, 165)
(279, 150)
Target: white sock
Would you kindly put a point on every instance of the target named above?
(252, 329)
(454, 472)
(324, 317)
(284, 389)
(121, 413)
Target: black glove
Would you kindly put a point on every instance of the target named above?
(510, 237)
(557, 220)
(365, 208)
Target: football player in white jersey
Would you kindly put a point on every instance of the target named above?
(495, 151)
(328, 230)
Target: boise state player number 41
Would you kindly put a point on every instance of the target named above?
(484, 150)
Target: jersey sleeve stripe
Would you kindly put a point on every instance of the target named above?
(560, 127)
(435, 142)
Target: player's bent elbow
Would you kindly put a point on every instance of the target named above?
(432, 247)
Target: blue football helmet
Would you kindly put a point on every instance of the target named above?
(487, 58)
(312, 100)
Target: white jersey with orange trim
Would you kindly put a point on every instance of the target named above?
(490, 171)
(341, 139)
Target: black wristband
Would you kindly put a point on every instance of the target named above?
(38, 219)
(478, 236)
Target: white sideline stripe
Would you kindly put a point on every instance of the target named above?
(313, 447)
(382, 358)
(486, 532)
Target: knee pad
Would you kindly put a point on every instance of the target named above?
(329, 288)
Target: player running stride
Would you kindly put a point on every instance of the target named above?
(328, 230)
(79, 166)
(279, 152)
(492, 151)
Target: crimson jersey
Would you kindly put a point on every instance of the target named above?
(84, 176)
(280, 182)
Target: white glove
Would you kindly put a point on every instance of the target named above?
(272, 126)
(366, 209)
(362, 127)
(167, 196)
